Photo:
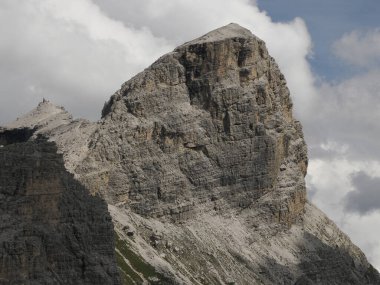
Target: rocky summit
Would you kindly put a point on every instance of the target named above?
(202, 165)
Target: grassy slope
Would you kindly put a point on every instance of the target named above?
(135, 269)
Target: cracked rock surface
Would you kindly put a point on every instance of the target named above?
(210, 123)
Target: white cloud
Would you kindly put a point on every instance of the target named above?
(359, 48)
(69, 52)
(333, 180)
(346, 113)
(333, 146)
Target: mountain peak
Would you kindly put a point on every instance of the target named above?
(229, 31)
(45, 112)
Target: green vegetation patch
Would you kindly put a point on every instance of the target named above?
(137, 264)
(128, 275)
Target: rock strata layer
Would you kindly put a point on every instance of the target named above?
(210, 123)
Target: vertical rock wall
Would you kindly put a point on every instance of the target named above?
(51, 230)
(209, 123)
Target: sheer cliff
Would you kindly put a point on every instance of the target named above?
(202, 165)
(210, 123)
(52, 231)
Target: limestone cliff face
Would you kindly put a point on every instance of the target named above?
(210, 123)
(205, 138)
(202, 165)
(51, 230)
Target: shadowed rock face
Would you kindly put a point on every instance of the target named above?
(210, 123)
(51, 230)
(18, 135)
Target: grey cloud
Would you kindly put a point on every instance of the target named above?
(366, 196)
(311, 190)
(359, 48)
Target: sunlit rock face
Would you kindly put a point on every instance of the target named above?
(210, 123)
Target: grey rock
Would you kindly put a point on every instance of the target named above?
(201, 122)
(52, 231)
(206, 137)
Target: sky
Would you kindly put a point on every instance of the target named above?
(77, 53)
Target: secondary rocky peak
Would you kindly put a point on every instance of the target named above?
(44, 113)
(54, 122)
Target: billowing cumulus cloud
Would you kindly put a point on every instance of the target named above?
(69, 52)
(347, 117)
(359, 48)
(343, 136)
